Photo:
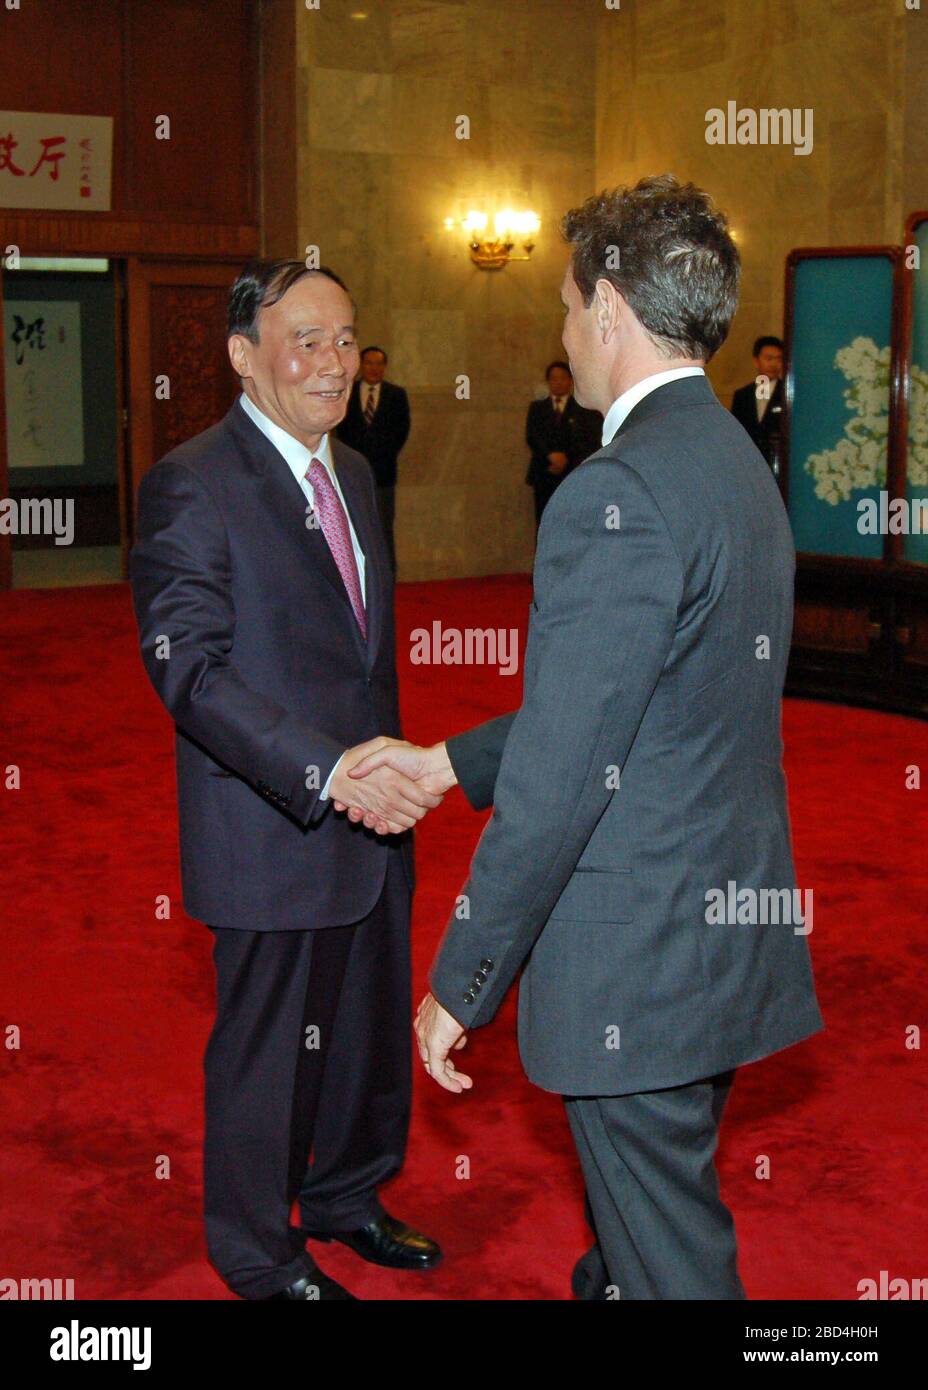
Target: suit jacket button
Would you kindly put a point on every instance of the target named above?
(486, 965)
(476, 985)
(468, 998)
(480, 976)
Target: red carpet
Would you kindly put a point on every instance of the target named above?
(114, 1006)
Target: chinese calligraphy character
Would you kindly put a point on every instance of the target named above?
(48, 156)
(25, 335)
(7, 145)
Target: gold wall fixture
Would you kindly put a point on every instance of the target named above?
(509, 227)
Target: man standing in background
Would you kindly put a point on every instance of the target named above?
(759, 405)
(560, 434)
(377, 425)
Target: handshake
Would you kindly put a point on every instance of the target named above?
(390, 784)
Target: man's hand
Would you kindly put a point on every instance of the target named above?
(437, 1034)
(388, 800)
(429, 768)
(557, 462)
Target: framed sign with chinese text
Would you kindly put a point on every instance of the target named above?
(55, 161)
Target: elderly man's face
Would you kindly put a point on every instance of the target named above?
(301, 370)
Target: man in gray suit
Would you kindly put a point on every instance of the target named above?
(638, 861)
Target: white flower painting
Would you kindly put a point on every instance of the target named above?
(858, 460)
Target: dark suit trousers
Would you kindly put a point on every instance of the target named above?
(386, 506)
(271, 1099)
(545, 488)
(662, 1230)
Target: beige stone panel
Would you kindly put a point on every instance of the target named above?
(343, 208)
(349, 110)
(331, 38)
(425, 116)
(856, 226)
(500, 44)
(469, 443)
(860, 51)
(508, 349)
(546, 43)
(428, 37)
(429, 346)
(545, 125)
(442, 440)
(429, 267)
(752, 28)
(677, 35)
(450, 531)
(858, 161)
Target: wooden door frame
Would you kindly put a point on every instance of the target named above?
(6, 542)
(142, 274)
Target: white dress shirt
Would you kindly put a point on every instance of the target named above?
(623, 405)
(298, 457)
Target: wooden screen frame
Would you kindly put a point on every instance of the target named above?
(913, 221)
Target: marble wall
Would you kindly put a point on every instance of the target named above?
(378, 171)
(564, 97)
(859, 65)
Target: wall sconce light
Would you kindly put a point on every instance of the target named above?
(492, 253)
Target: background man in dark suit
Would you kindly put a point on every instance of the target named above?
(377, 425)
(265, 610)
(641, 778)
(560, 434)
(759, 405)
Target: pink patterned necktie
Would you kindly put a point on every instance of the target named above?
(327, 506)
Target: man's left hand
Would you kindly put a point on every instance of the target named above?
(438, 1033)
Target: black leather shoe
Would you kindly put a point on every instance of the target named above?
(386, 1241)
(310, 1288)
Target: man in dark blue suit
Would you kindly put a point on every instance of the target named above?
(264, 602)
(377, 424)
(560, 433)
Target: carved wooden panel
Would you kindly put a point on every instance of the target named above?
(177, 329)
(188, 346)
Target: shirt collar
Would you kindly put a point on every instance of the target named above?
(296, 454)
(623, 406)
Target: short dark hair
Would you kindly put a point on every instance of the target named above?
(564, 366)
(767, 340)
(263, 283)
(678, 267)
(374, 348)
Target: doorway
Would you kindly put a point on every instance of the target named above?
(64, 420)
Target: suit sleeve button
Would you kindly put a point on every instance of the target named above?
(486, 964)
(468, 998)
(480, 976)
